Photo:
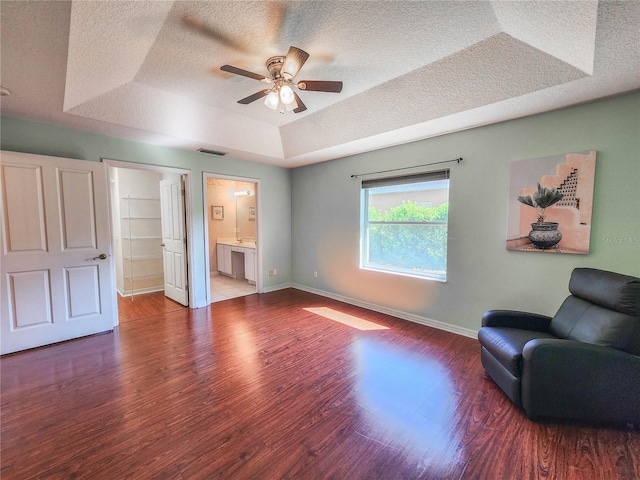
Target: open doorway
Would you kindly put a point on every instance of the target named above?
(148, 218)
(231, 206)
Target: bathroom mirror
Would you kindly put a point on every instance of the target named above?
(245, 210)
(238, 201)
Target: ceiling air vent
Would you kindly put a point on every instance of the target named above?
(212, 152)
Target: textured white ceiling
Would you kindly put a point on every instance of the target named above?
(411, 70)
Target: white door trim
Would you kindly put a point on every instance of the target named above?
(188, 213)
(205, 227)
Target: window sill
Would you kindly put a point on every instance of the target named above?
(405, 274)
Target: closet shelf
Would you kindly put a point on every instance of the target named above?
(145, 277)
(142, 257)
(140, 198)
(141, 219)
(142, 238)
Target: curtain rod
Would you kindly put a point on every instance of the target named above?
(356, 175)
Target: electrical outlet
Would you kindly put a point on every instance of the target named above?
(273, 272)
(315, 274)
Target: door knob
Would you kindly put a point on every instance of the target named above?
(102, 256)
(162, 244)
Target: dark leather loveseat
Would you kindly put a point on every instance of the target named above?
(584, 363)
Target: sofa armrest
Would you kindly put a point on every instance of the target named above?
(515, 319)
(569, 379)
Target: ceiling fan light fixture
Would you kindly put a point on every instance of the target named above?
(282, 97)
(291, 106)
(286, 95)
(272, 100)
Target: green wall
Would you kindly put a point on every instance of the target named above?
(274, 195)
(310, 216)
(482, 274)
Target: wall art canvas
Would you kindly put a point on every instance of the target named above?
(550, 203)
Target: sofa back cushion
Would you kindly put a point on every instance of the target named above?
(608, 289)
(604, 309)
(585, 322)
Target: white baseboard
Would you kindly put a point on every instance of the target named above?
(275, 288)
(139, 291)
(447, 327)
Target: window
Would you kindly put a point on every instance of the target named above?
(404, 224)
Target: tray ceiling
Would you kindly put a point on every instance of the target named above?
(411, 70)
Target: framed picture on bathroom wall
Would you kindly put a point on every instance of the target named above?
(217, 212)
(252, 213)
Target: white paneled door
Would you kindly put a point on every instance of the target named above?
(174, 240)
(56, 276)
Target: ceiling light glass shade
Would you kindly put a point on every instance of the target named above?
(292, 106)
(286, 95)
(272, 100)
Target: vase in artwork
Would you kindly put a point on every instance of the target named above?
(545, 234)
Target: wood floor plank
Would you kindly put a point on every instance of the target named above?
(137, 307)
(257, 387)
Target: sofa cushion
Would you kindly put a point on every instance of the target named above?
(583, 321)
(506, 345)
(568, 315)
(607, 289)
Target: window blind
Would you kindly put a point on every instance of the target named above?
(405, 179)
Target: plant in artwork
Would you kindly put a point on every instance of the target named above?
(541, 200)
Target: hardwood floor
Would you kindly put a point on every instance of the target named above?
(282, 386)
(146, 305)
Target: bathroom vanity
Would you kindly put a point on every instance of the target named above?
(237, 259)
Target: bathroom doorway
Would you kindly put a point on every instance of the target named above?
(231, 225)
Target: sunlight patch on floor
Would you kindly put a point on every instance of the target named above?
(345, 318)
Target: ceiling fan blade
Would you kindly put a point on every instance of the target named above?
(320, 86)
(199, 26)
(254, 97)
(293, 62)
(301, 106)
(244, 73)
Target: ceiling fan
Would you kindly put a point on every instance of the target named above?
(282, 71)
